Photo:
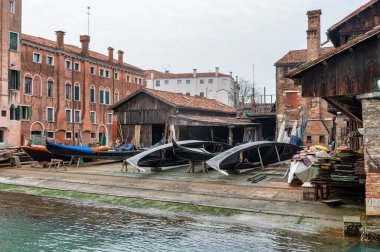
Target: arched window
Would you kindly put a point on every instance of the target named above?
(28, 85)
(50, 88)
(68, 91)
(92, 94)
(76, 92)
(107, 96)
(116, 96)
(101, 95)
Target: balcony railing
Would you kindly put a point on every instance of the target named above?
(264, 109)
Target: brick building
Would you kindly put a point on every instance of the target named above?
(312, 114)
(63, 89)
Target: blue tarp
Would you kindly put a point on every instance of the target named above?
(82, 149)
(296, 140)
(125, 147)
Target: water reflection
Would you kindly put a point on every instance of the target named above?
(29, 223)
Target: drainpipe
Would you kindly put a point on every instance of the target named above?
(72, 101)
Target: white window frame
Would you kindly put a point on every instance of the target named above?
(71, 133)
(105, 96)
(80, 115)
(76, 85)
(100, 70)
(94, 70)
(128, 78)
(12, 7)
(70, 63)
(47, 114)
(18, 41)
(22, 119)
(116, 76)
(40, 58)
(210, 81)
(71, 91)
(31, 88)
(92, 87)
(93, 112)
(179, 82)
(108, 122)
(71, 115)
(166, 82)
(188, 81)
(107, 73)
(47, 89)
(77, 64)
(52, 60)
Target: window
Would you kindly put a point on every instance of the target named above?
(69, 116)
(107, 97)
(76, 135)
(14, 113)
(92, 94)
(210, 81)
(76, 67)
(14, 80)
(93, 135)
(93, 117)
(13, 41)
(202, 81)
(116, 97)
(25, 113)
(138, 81)
(51, 134)
(50, 60)
(28, 86)
(308, 139)
(1, 136)
(109, 118)
(128, 78)
(12, 7)
(187, 81)
(68, 64)
(291, 100)
(202, 94)
(37, 58)
(166, 81)
(50, 114)
(224, 81)
(77, 116)
(68, 91)
(76, 92)
(92, 70)
(68, 135)
(179, 81)
(101, 97)
(322, 139)
(188, 94)
(3, 113)
(50, 89)
(116, 76)
(107, 73)
(101, 72)
(157, 83)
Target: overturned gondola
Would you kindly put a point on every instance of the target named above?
(253, 154)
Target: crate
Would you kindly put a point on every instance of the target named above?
(308, 191)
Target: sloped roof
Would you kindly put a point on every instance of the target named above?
(161, 75)
(178, 100)
(332, 53)
(70, 48)
(352, 14)
(298, 56)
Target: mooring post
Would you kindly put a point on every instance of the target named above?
(261, 160)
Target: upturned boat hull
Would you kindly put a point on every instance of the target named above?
(199, 151)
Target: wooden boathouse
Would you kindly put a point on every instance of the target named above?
(348, 78)
(145, 116)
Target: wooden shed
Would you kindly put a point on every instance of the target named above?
(144, 118)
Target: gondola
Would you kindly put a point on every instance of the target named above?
(252, 154)
(161, 156)
(199, 151)
(87, 152)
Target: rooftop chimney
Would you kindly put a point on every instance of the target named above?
(120, 55)
(110, 54)
(85, 40)
(194, 72)
(314, 34)
(216, 71)
(60, 38)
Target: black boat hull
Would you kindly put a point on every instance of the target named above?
(199, 151)
(40, 155)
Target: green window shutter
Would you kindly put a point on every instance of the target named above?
(92, 95)
(107, 97)
(29, 113)
(13, 41)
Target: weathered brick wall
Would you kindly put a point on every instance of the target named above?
(371, 124)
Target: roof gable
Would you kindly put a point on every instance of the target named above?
(296, 57)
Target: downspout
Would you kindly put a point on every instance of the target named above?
(72, 101)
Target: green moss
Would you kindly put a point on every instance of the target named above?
(300, 220)
(121, 201)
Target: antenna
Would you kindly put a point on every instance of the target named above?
(88, 20)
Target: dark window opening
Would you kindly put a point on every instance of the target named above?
(14, 80)
(322, 139)
(308, 139)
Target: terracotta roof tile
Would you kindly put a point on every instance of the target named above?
(70, 48)
(352, 14)
(161, 75)
(298, 56)
(182, 101)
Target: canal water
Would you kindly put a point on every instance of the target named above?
(30, 223)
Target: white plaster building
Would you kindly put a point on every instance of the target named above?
(212, 85)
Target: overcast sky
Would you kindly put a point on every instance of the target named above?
(186, 34)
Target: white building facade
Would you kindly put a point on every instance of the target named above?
(212, 85)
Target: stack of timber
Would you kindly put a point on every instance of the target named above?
(359, 166)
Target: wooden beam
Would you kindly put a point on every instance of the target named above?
(342, 109)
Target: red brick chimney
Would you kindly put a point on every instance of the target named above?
(60, 38)
(85, 40)
(120, 55)
(314, 34)
(110, 54)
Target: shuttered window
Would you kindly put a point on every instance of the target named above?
(291, 101)
(13, 41)
(14, 80)
(92, 95)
